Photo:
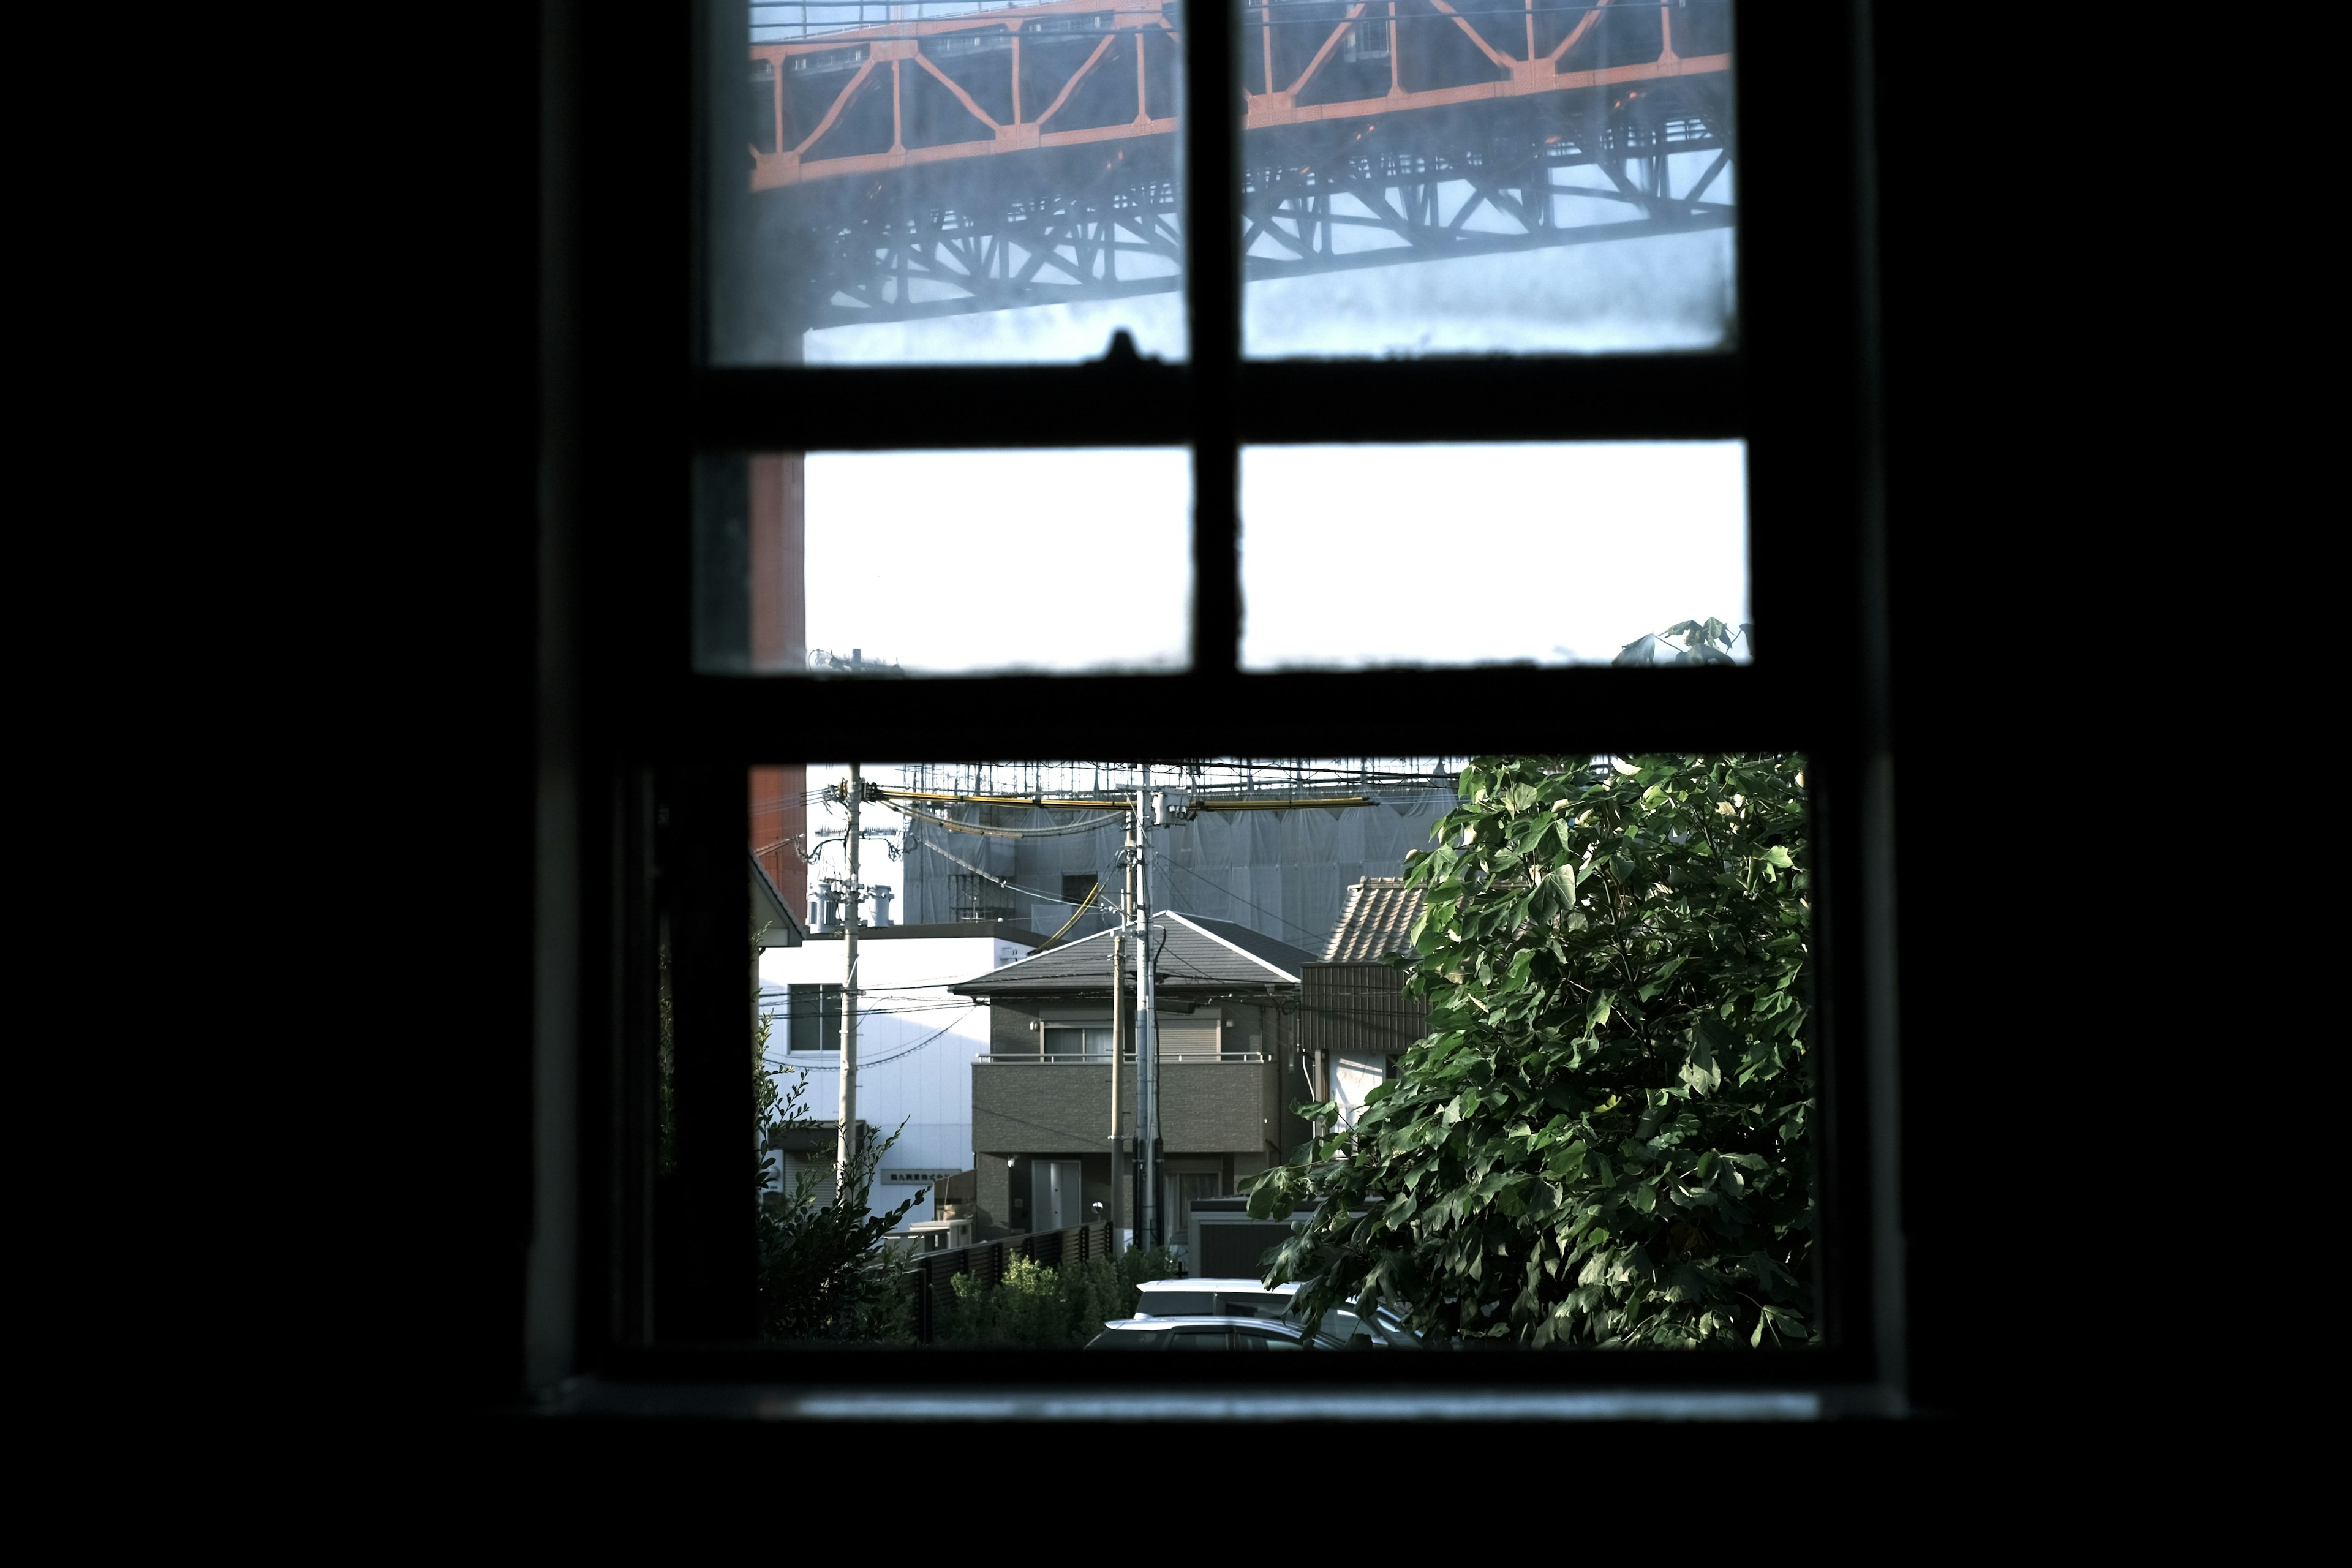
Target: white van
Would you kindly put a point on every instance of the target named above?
(1245, 1298)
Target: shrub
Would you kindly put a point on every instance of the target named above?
(1037, 1308)
(826, 1268)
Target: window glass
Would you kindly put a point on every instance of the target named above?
(814, 1014)
(1614, 951)
(1534, 553)
(1077, 1044)
(1200, 1337)
(945, 182)
(1263, 1340)
(1486, 177)
(943, 562)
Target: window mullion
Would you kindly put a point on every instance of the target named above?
(1288, 714)
(1212, 194)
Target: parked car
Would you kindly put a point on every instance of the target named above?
(1203, 1333)
(1245, 1298)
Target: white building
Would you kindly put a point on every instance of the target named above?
(915, 1042)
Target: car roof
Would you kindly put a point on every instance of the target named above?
(1269, 1325)
(1289, 1287)
(1280, 1325)
(1233, 1283)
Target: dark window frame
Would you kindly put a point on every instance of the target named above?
(650, 1271)
(821, 1025)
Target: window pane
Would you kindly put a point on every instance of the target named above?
(1475, 177)
(954, 181)
(1557, 553)
(944, 562)
(1465, 918)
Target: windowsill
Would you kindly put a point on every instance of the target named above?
(761, 1401)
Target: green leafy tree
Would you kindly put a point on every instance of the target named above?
(1602, 1140)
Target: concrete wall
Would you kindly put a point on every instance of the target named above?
(1062, 1109)
(1213, 1107)
(1009, 1033)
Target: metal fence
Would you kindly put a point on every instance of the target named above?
(1357, 1008)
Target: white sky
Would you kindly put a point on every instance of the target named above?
(1350, 555)
(957, 561)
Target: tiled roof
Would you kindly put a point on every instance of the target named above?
(1195, 954)
(1377, 921)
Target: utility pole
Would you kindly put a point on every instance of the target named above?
(1117, 1037)
(845, 1149)
(1146, 1036)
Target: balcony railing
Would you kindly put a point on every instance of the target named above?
(1081, 1058)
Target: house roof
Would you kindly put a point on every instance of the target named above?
(772, 922)
(1377, 921)
(1194, 955)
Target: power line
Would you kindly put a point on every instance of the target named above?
(1218, 887)
(789, 1065)
(1008, 887)
(1063, 830)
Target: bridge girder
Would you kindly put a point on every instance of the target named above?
(1524, 154)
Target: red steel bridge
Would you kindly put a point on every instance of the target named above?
(1028, 155)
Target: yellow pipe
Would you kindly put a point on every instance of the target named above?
(1008, 800)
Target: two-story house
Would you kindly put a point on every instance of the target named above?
(1227, 1000)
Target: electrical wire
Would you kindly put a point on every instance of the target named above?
(1008, 887)
(1195, 776)
(1081, 910)
(789, 1065)
(1063, 831)
(1219, 887)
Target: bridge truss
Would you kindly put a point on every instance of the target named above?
(1027, 156)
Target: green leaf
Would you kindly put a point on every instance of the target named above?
(1666, 1028)
(1700, 1071)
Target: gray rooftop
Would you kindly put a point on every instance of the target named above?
(1195, 955)
(1377, 921)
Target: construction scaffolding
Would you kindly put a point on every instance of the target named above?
(1273, 845)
